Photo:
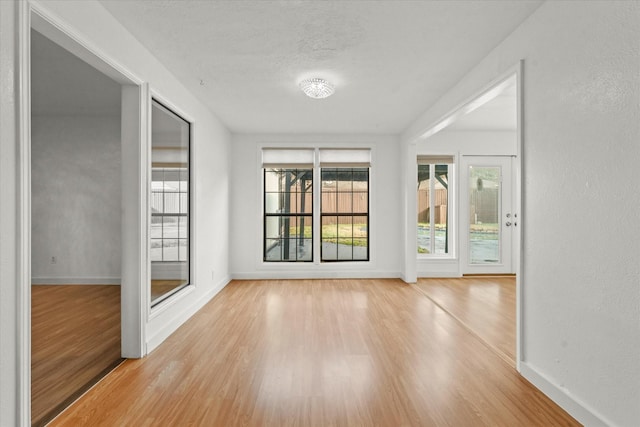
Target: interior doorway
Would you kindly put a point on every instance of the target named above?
(76, 195)
(483, 136)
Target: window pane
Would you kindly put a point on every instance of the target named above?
(170, 227)
(184, 203)
(361, 180)
(344, 202)
(440, 209)
(272, 202)
(183, 249)
(329, 227)
(157, 202)
(183, 227)
(345, 179)
(272, 180)
(345, 236)
(345, 229)
(329, 180)
(433, 209)
(170, 250)
(360, 202)
(329, 249)
(272, 227)
(273, 250)
(345, 252)
(290, 193)
(171, 202)
(155, 231)
(305, 250)
(329, 202)
(484, 207)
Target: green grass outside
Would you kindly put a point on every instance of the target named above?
(344, 234)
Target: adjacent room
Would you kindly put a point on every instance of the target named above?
(331, 213)
(76, 227)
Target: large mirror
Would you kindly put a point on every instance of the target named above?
(170, 203)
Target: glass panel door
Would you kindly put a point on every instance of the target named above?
(488, 216)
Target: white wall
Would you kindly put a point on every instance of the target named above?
(210, 150)
(580, 287)
(246, 209)
(9, 316)
(470, 143)
(76, 193)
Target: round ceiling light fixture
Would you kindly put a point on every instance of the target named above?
(317, 88)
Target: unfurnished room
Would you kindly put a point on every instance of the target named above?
(319, 213)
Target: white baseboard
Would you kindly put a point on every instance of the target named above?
(578, 410)
(172, 325)
(438, 274)
(286, 274)
(76, 280)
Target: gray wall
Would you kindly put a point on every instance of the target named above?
(76, 199)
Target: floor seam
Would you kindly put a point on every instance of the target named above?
(469, 329)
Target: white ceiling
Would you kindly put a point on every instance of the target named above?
(389, 60)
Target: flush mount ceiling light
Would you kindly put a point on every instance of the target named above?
(317, 88)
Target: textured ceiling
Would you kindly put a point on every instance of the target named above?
(389, 60)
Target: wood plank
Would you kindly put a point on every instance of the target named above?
(317, 353)
(75, 340)
(485, 305)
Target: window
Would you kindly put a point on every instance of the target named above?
(169, 214)
(169, 233)
(289, 210)
(434, 207)
(345, 214)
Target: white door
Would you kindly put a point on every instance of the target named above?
(487, 217)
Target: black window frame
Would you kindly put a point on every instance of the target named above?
(286, 216)
(338, 213)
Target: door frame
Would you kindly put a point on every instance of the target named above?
(507, 190)
(409, 154)
(135, 143)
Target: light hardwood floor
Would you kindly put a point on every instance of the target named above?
(484, 305)
(75, 340)
(317, 353)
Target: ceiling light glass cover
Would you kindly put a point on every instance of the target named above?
(317, 88)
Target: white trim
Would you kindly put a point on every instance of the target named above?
(23, 98)
(437, 267)
(75, 281)
(173, 324)
(55, 28)
(576, 408)
(518, 243)
(316, 274)
(134, 272)
(170, 301)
